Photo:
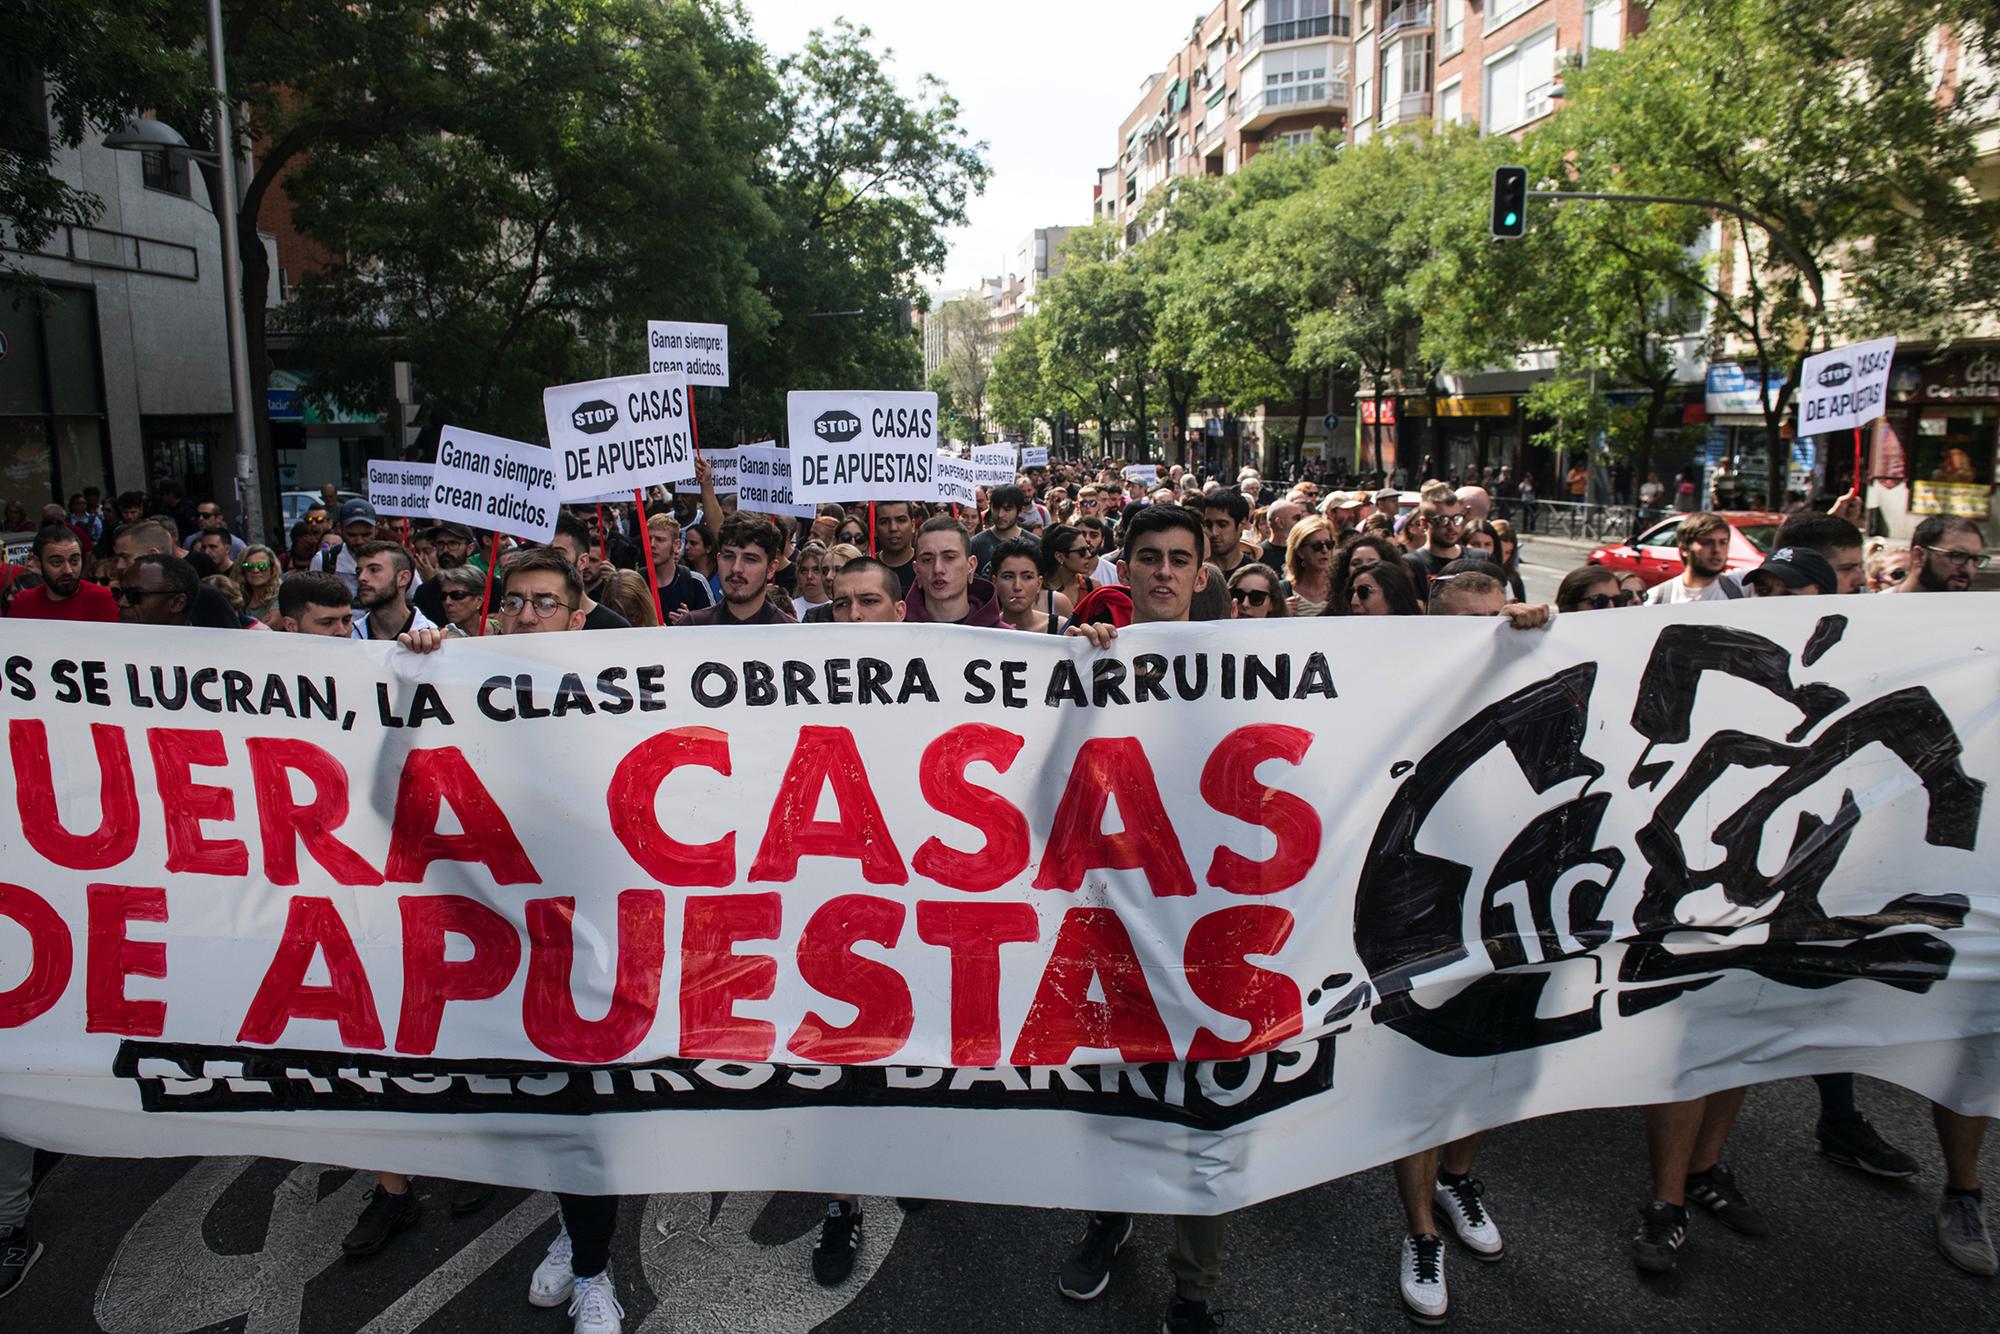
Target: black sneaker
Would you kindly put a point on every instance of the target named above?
(18, 1253)
(470, 1198)
(1186, 1317)
(839, 1242)
(1662, 1231)
(1716, 1191)
(384, 1216)
(1852, 1142)
(1087, 1267)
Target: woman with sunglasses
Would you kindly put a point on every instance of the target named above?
(853, 532)
(257, 571)
(1254, 593)
(1309, 565)
(1357, 555)
(1384, 588)
(1589, 588)
(462, 587)
(1633, 588)
(1068, 558)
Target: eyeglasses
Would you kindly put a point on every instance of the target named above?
(139, 594)
(256, 566)
(545, 604)
(1256, 597)
(1958, 560)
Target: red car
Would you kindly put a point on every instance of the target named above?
(1654, 558)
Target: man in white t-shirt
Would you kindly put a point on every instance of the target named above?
(1703, 540)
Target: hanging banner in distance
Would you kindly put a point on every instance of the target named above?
(1034, 456)
(860, 445)
(621, 434)
(343, 906)
(722, 465)
(1146, 474)
(955, 484)
(489, 481)
(399, 489)
(764, 481)
(1845, 387)
(993, 465)
(697, 352)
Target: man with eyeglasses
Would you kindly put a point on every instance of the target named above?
(209, 518)
(208, 608)
(64, 595)
(1945, 552)
(157, 590)
(1444, 520)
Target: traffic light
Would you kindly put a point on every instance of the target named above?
(1510, 202)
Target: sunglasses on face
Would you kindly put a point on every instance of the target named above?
(458, 594)
(1256, 597)
(139, 594)
(1317, 547)
(1363, 592)
(1603, 601)
(256, 566)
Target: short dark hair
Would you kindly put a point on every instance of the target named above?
(534, 559)
(53, 534)
(1023, 548)
(568, 525)
(1938, 527)
(1695, 526)
(1161, 519)
(865, 564)
(1391, 575)
(399, 559)
(1009, 495)
(133, 500)
(180, 576)
(1230, 499)
(944, 523)
(314, 588)
(743, 529)
(1816, 532)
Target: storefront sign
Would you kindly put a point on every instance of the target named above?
(1737, 391)
(1378, 412)
(1967, 500)
(1475, 407)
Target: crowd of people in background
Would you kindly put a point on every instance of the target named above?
(1078, 550)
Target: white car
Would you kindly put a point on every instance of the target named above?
(294, 505)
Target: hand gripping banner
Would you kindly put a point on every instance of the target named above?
(1218, 913)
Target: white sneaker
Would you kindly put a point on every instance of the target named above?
(1463, 1208)
(552, 1281)
(1422, 1276)
(596, 1306)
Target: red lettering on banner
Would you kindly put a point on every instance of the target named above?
(283, 824)
(548, 1011)
(432, 779)
(117, 832)
(1092, 943)
(1108, 768)
(50, 956)
(941, 775)
(110, 958)
(313, 926)
(1229, 784)
(430, 979)
(881, 998)
(974, 933)
(1220, 977)
(634, 796)
(176, 753)
(714, 977)
(826, 755)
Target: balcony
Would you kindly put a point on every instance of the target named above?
(1408, 107)
(1274, 104)
(1301, 29)
(1401, 17)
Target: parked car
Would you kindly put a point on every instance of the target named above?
(1653, 556)
(295, 503)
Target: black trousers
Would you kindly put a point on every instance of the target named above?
(590, 1221)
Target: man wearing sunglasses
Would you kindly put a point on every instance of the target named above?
(1945, 552)
(157, 590)
(1444, 520)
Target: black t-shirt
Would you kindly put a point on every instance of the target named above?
(685, 590)
(1273, 555)
(212, 611)
(428, 598)
(906, 573)
(1425, 565)
(984, 544)
(601, 617)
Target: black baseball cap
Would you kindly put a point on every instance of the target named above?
(1796, 567)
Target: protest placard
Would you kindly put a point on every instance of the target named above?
(764, 481)
(621, 434)
(399, 489)
(1034, 456)
(862, 445)
(1845, 387)
(1146, 474)
(697, 352)
(528, 908)
(993, 465)
(722, 465)
(489, 481)
(955, 484)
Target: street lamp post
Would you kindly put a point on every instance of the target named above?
(142, 135)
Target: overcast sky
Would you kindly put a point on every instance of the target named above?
(1043, 82)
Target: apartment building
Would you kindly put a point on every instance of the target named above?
(1252, 73)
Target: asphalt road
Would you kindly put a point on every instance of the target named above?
(242, 1246)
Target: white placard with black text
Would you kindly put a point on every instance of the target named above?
(955, 480)
(399, 489)
(620, 434)
(862, 445)
(699, 352)
(994, 464)
(1845, 387)
(489, 481)
(764, 481)
(1034, 456)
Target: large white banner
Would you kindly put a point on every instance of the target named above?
(862, 445)
(1224, 911)
(1845, 387)
(621, 434)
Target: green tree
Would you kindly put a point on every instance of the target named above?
(1096, 330)
(1846, 176)
(969, 339)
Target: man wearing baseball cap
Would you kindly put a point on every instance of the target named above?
(1345, 510)
(1793, 572)
(357, 529)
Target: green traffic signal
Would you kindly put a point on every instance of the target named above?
(1510, 202)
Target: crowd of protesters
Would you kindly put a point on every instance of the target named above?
(1077, 550)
